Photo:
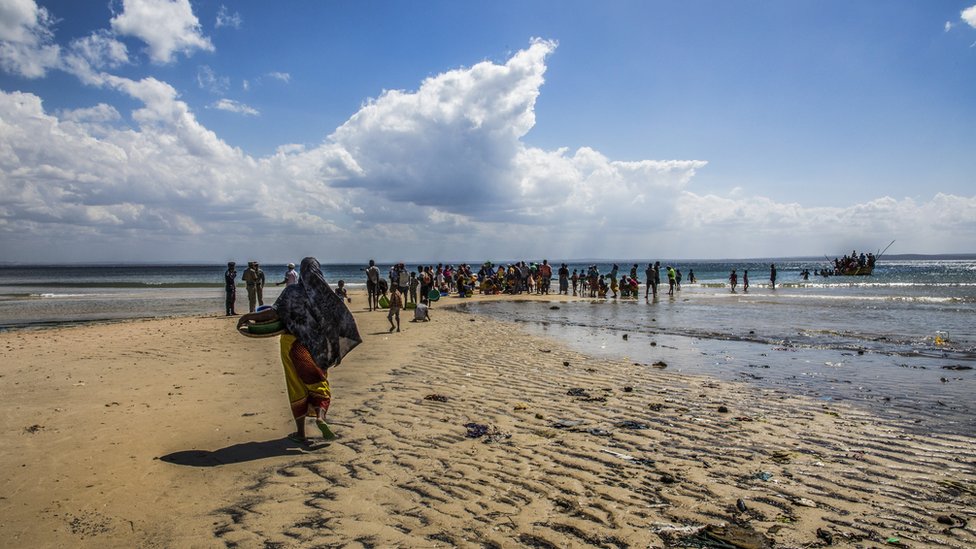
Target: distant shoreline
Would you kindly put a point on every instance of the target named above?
(903, 257)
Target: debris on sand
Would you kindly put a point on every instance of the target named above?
(720, 536)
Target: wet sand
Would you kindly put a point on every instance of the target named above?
(170, 433)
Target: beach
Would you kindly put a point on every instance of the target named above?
(464, 431)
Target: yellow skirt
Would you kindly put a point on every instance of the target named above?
(308, 385)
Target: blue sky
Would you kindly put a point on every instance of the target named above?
(195, 131)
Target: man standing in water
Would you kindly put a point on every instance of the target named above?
(772, 275)
(230, 288)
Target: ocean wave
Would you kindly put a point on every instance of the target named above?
(903, 298)
(60, 296)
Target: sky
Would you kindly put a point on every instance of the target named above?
(204, 131)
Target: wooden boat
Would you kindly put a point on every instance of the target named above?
(856, 270)
(851, 267)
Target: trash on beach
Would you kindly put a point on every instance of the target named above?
(567, 423)
(655, 406)
(436, 397)
(826, 536)
(578, 392)
(727, 535)
(626, 457)
(599, 432)
(496, 436)
(675, 529)
(628, 389)
(476, 430)
(630, 424)
(764, 475)
(804, 502)
(957, 367)
(488, 433)
(660, 364)
(33, 429)
(941, 337)
(723, 409)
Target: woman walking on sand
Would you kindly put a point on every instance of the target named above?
(319, 331)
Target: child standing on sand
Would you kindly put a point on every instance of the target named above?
(396, 303)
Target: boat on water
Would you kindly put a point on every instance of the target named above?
(855, 270)
(857, 264)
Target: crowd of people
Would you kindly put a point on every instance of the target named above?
(419, 286)
(853, 262)
(520, 277)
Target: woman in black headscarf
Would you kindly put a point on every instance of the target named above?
(319, 331)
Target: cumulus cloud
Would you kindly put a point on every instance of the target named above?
(100, 50)
(449, 154)
(27, 45)
(168, 27)
(225, 19)
(948, 26)
(969, 16)
(230, 105)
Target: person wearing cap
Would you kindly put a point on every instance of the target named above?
(250, 278)
(291, 276)
(230, 288)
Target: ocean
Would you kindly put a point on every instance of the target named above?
(902, 341)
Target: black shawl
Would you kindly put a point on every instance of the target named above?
(317, 317)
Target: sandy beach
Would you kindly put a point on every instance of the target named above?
(463, 431)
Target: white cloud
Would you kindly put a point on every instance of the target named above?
(23, 21)
(225, 19)
(100, 50)
(948, 26)
(969, 16)
(283, 76)
(208, 80)
(449, 155)
(26, 39)
(230, 105)
(168, 27)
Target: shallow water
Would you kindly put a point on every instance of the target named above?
(862, 345)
